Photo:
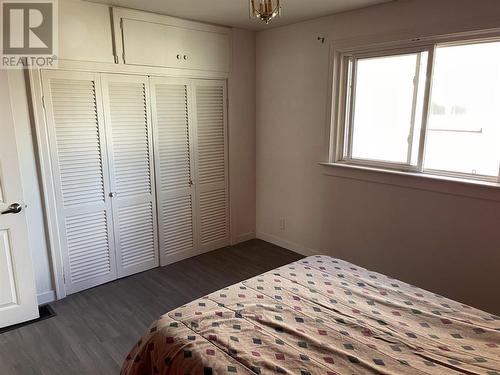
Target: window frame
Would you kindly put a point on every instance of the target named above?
(342, 98)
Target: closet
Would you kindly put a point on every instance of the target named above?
(139, 170)
(189, 118)
(132, 136)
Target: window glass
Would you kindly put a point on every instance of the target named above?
(464, 117)
(387, 107)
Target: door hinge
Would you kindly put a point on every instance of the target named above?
(43, 102)
(116, 59)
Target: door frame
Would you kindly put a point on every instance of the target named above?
(42, 141)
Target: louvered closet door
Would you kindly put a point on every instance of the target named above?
(174, 165)
(209, 107)
(80, 174)
(129, 139)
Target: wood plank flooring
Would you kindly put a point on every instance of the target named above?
(95, 329)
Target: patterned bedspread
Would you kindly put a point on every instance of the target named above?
(320, 315)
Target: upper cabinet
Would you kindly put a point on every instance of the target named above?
(97, 33)
(147, 39)
(85, 32)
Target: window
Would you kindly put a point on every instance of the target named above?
(391, 116)
(464, 119)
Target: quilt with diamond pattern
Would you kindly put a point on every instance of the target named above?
(320, 315)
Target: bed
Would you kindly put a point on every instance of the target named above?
(320, 315)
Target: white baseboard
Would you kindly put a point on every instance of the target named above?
(242, 238)
(303, 250)
(46, 297)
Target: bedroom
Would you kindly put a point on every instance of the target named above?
(252, 155)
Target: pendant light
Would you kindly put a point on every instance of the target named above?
(265, 10)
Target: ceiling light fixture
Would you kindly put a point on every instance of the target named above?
(265, 10)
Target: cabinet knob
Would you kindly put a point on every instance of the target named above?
(185, 57)
(112, 194)
(179, 57)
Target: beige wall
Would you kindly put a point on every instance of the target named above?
(241, 113)
(446, 243)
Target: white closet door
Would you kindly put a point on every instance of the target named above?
(129, 140)
(174, 165)
(209, 104)
(79, 166)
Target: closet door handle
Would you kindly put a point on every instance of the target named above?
(112, 194)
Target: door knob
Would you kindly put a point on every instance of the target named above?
(14, 208)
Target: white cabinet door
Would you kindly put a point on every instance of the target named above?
(209, 104)
(17, 282)
(129, 139)
(174, 166)
(85, 32)
(154, 44)
(80, 174)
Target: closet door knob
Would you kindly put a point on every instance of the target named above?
(185, 57)
(179, 57)
(112, 194)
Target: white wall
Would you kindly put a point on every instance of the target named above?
(442, 242)
(241, 101)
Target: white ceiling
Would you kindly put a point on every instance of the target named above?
(235, 12)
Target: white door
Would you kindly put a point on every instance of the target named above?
(17, 285)
(76, 135)
(212, 197)
(129, 139)
(174, 166)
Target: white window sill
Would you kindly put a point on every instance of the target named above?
(418, 181)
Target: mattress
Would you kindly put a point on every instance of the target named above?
(320, 315)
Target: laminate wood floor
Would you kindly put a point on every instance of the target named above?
(94, 329)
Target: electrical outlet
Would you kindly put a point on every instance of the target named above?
(282, 224)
